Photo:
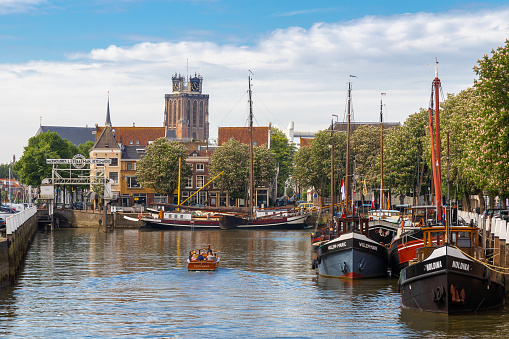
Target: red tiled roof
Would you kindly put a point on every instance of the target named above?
(305, 141)
(241, 134)
(140, 136)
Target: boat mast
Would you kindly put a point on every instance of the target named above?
(381, 155)
(435, 143)
(250, 146)
(347, 179)
(332, 170)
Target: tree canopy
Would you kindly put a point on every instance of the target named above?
(313, 163)
(234, 159)
(492, 125)
(4, 172)
(32, 167)
(158, 168)
(283, 150)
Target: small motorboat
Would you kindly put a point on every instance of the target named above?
(199, 260)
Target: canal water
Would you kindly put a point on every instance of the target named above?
(84, 283)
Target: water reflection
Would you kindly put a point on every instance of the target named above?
(134, 284)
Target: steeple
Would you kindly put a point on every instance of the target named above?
(108, 120)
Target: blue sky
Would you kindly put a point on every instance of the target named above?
(59, 59)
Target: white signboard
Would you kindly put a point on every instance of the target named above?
(47, 192)
(78, 161)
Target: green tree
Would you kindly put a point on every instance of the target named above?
(85, 148)
(284, 151)
(158, 168)
(234, 159)
(4, 172)
(313, 163)
(32, 167)
(402, 150)
(492, 129)
(460, 119)
(366, 152)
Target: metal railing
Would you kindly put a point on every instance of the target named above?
(13, 222)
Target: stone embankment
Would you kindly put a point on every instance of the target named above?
(14, 244)
(76, 218)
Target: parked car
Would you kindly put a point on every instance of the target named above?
(5, 209)
(280, 202)
(306, 206)
(194, 204)
(490, 212)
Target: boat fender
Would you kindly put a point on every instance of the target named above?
(140, 216)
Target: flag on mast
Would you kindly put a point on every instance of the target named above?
(343, 195)
(373, 201)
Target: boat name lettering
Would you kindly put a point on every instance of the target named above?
(368, 246)
(461, 265)
(337, 245)
(433, 265)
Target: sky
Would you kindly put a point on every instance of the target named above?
(60, 60)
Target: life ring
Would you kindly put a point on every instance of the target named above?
(140, 216)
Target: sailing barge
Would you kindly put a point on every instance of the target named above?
(451, 277)
(450, 273)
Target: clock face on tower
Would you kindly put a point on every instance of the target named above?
(176, 86)
(195, 86)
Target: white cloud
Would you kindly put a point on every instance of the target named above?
(18, 6)
(299, 74)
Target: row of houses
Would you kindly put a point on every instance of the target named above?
(124, 147)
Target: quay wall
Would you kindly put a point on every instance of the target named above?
(89, 219)
(13, 249)
(496, 238)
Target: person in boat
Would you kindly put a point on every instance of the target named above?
(209, 250)
(194, 256)
(200, 257)
(211, 256)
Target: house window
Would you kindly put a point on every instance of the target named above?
(200, 167)
(202, 199)
(129, 166)
(160, 199)
(137, 143)
(114, 162)
(189, 183)
(114, 176)
(131, 182)
(131, 142)
(199, 181)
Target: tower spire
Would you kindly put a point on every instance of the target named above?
(108, 119)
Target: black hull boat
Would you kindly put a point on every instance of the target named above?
(228, 222)
(402, 250)
(291, 222)
(451, 274)
(450, 282)
(351, 254)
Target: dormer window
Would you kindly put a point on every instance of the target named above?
(131, 142)
(106, 145)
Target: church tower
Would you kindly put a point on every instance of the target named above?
(186, 110)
